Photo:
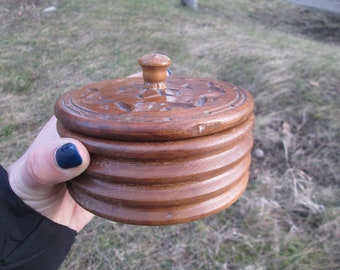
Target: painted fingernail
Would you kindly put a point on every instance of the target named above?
(169, 71)
(67, 156)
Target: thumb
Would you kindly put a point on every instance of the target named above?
(47, 165)
(55, 162)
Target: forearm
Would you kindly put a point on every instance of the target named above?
(29, 240)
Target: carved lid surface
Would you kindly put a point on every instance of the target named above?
(155, 107)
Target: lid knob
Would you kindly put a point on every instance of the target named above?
(155, 68)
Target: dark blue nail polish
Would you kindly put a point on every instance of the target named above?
(67, 156)
(169, 71)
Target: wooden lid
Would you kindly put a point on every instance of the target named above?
(155, 107)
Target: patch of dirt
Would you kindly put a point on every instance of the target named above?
(313, 24)
(322, 26)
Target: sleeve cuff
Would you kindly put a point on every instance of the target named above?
(29, 240)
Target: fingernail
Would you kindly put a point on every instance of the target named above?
(67, 156)
(169, 71)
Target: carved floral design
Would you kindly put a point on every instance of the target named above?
(181, 96)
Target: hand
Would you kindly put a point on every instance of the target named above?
(39, 177)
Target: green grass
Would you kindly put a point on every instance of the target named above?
(289, 216)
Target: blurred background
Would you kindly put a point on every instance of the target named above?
(287, 56)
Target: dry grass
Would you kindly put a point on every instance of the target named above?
(289, 216)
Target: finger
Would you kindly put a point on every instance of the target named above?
(55, 162)
(140, 74)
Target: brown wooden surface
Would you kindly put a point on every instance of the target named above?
(187, 108)
(156, 216)
(163, 150)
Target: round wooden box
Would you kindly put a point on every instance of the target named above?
(164, 150)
